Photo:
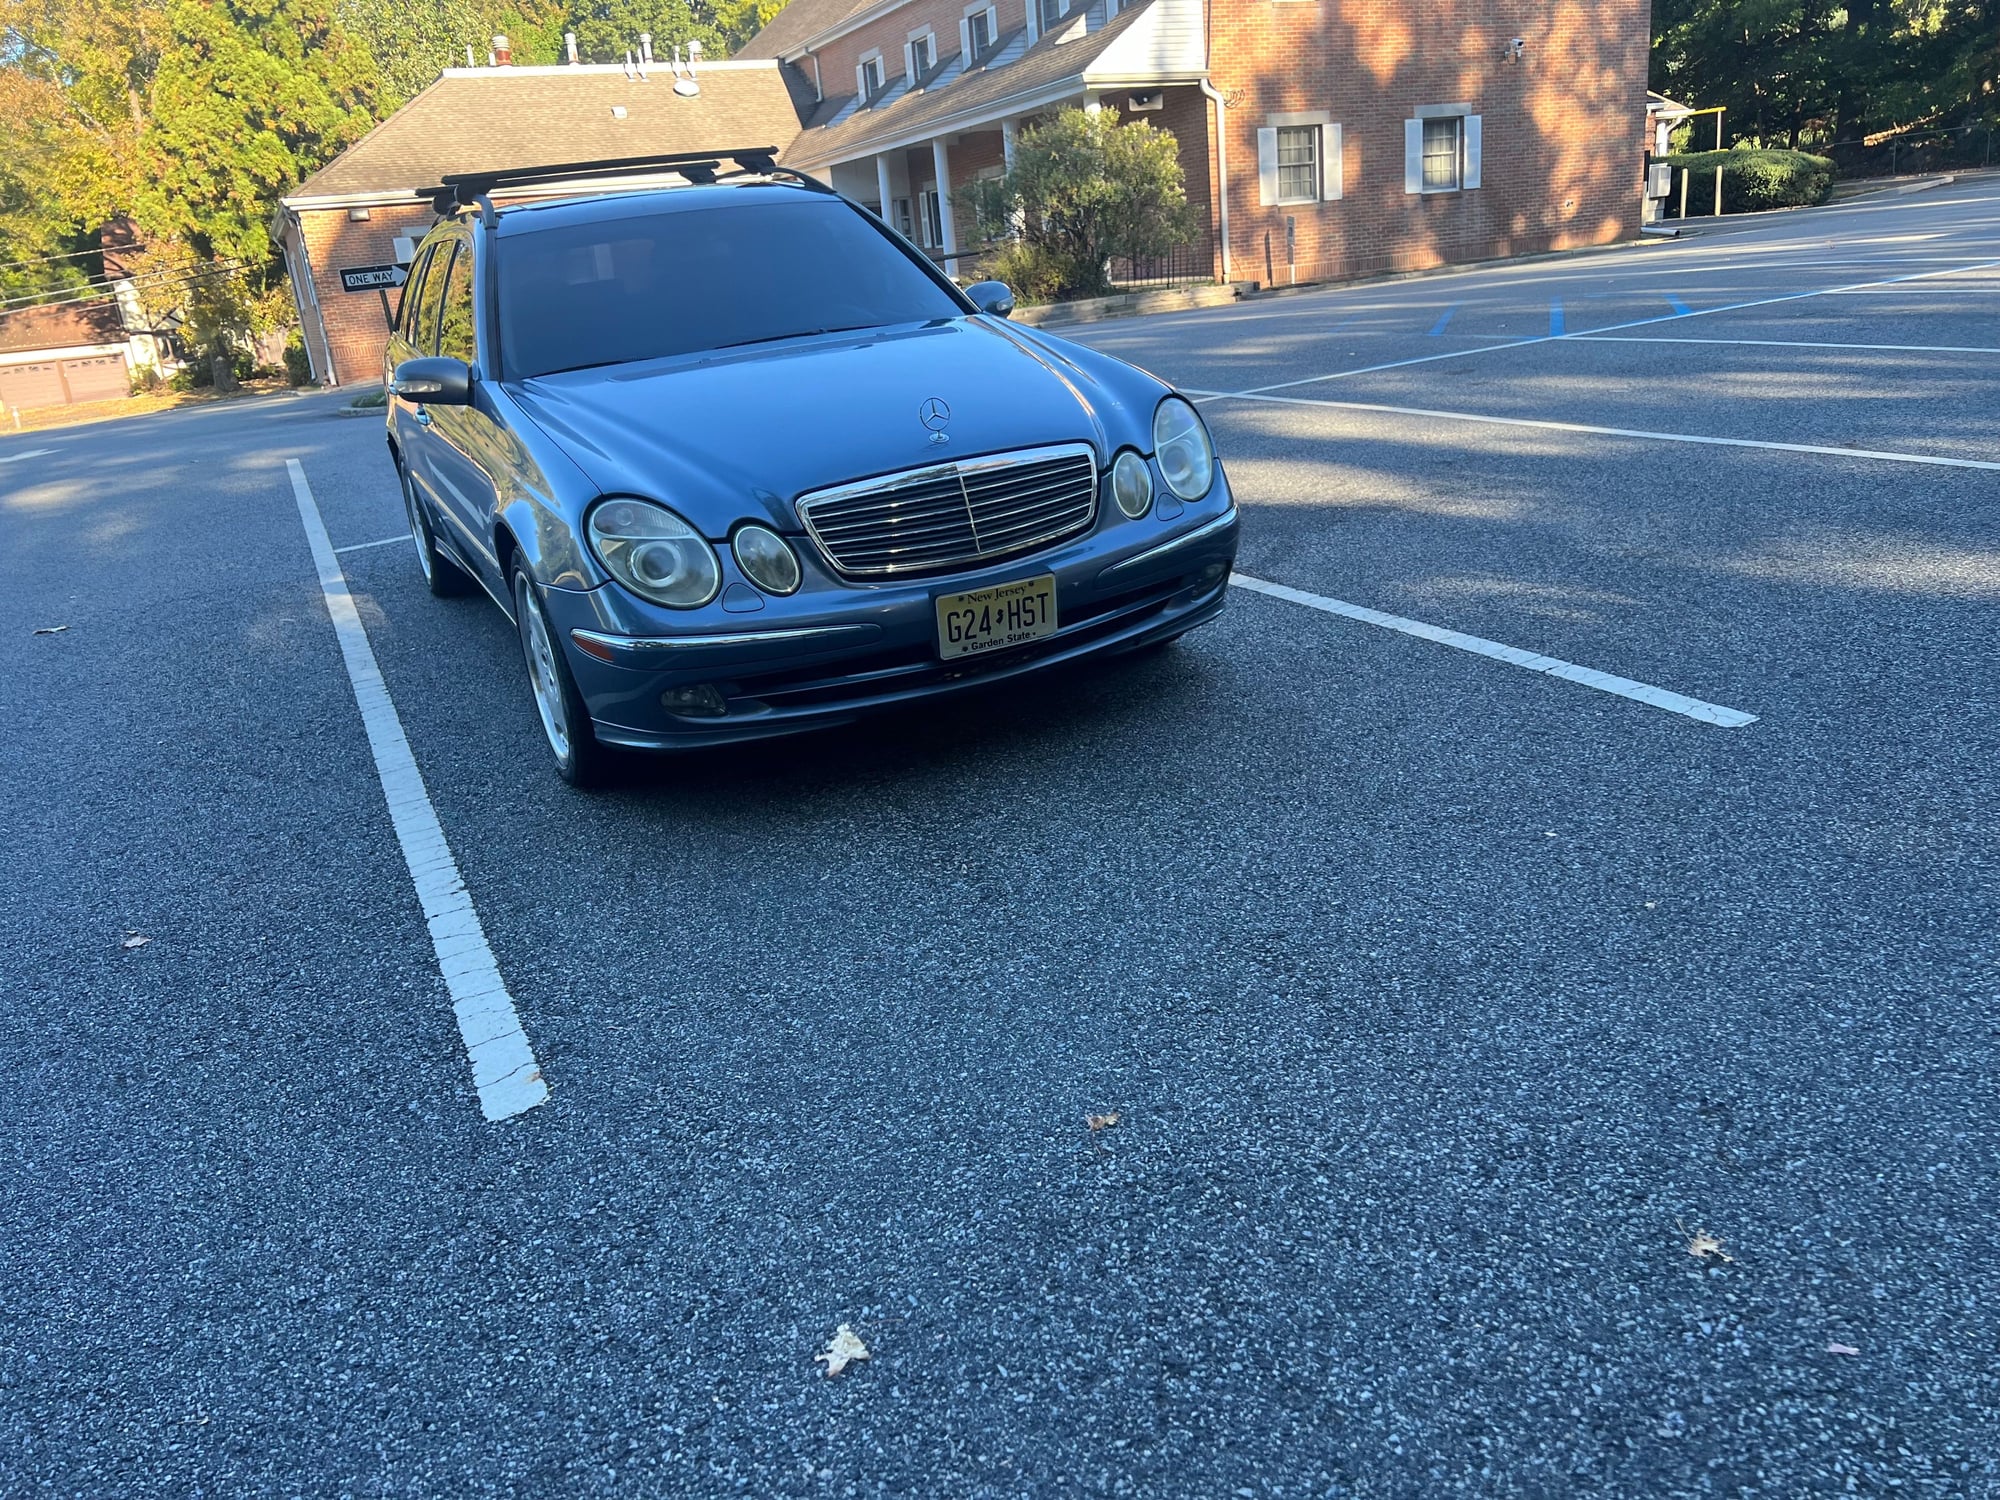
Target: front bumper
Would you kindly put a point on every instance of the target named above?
(838, 650)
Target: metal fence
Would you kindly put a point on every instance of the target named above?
(1184, 265)
(1961, 147)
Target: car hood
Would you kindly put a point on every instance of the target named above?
(737, 434)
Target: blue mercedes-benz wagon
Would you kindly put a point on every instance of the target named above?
(738, 461)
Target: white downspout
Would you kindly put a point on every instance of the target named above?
(1221, 167)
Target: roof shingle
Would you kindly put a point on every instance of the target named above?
(482, 119)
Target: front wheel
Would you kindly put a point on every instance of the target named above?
(580, 760)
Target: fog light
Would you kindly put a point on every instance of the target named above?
(767, 560)
(702, 701)
(1132, 484)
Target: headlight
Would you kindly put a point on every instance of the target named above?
(1187, 458)
(766, 559)
(654, 553)
(1132, 484)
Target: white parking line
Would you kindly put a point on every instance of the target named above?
(387, 541)
(1560, 338)
(504, 1070)
(1548, 666)
(1547, 425)
(1634, 338)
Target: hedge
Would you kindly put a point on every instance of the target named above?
(1754, 179)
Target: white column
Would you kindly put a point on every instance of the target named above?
(882, 186)
(1007, 142)
(941, 162)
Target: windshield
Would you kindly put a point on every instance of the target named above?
(686, 280)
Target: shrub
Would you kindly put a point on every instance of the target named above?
(1033, 272)
(298, 369)
(1754, 179)
(1083, 189)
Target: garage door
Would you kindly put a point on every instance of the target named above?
(99, 379)
(24, 387)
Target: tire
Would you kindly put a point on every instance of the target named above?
(443, 577)
(580, 760)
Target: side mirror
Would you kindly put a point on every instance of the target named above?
(433, 381)
(994, 297)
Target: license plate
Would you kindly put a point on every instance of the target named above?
(1011, 614)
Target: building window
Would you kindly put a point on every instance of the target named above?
(920, 56)
(1298, 164)
(906, 225)
(933, 219)
(979, 31)
(1052, 13)
(871, 78)
(1443, 151)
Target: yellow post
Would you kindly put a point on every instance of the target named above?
(1718, 165)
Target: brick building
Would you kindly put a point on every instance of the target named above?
(1321, 138)
(362, 213)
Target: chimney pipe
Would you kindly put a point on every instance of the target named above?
(468, 55)
(503, 55)
(694, 55)
(569, 45)
(646, 48)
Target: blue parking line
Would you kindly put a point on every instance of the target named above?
(1681, 309)
(1444, 317)
(1556, 319)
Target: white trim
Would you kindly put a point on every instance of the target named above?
(67, 351)
(1333, 163)
(1441, 111)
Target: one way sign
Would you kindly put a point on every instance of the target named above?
(371, 278)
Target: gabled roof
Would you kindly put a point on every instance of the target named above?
(67, 326)
(840, 130)
(481, 119)
(799, 22)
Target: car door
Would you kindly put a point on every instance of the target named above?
(463, 443)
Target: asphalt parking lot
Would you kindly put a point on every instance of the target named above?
(1451, 993)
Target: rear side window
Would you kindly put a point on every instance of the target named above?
(676, 282)
(406, 309)
(455, 335)
(430, 301)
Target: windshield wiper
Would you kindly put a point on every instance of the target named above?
(803, 333)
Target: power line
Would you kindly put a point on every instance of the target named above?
(42, 260)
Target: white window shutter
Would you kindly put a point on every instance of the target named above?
(1267, 165)
(1413, 156)
(910, 62)
(965, 42)
(1332, 169)
(861, 82)
(992, 25)
(1472, 151)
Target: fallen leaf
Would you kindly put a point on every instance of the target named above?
(1101, 1122)
(1841, 1349)
(135, 940)
(843, 1351)
(51, 629)
(1702, 1244)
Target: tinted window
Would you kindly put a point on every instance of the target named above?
(455, 325)
(430, 301)
(406, 309)
(678, 282)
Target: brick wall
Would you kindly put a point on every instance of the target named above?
(1562, 127)
(354, 326)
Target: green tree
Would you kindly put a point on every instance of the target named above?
(1084, 188)
(413, 41)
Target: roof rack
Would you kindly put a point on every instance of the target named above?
(464, 189)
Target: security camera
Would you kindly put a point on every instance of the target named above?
(1515, 48)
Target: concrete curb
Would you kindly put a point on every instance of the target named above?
(1129, 304)
(1892, 188)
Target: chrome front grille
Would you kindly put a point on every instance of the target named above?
(954, 515)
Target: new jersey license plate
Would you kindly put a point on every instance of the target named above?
(1010, 614)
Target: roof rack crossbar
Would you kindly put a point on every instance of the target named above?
(697, 166)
